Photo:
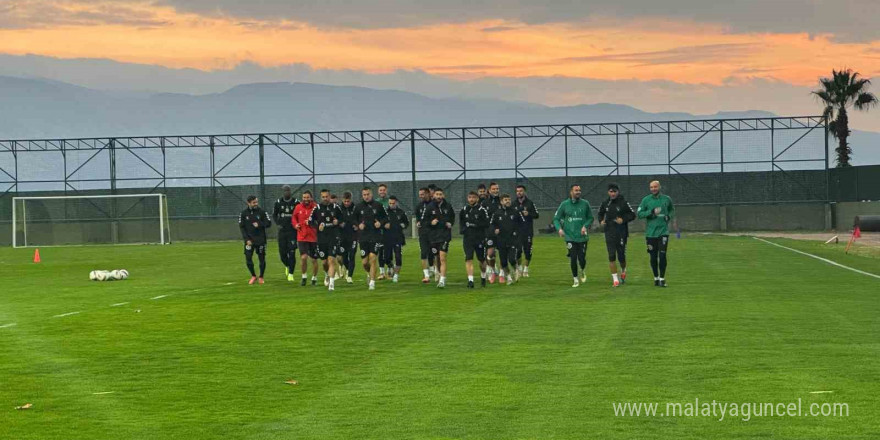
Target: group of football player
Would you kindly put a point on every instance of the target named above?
(496, 229)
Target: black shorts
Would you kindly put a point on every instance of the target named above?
(442, 246)
(326, 250)
(616, 246)
(474, 247)
(660, 243)
(371, 247)
(249, 249)
(575, 248)
(308, 248)
(424, 245)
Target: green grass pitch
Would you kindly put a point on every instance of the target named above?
(742, 321)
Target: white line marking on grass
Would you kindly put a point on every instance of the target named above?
(834, 263)
(118, 304)
(103, 392)
(7, 325)
(159, 297)
(820, 392)
(66, 314)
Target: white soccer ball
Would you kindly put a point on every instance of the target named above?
(123, 274)
(114, 275)
(93, 275)
(100, 275)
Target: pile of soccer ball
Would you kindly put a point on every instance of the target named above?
(108, 275)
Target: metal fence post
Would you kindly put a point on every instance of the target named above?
(827, 167)
(565, 137)
(212, 158)
(262, 168)
(721, 188)
(412, 150)
(314, 179)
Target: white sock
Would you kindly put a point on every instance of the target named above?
(662, 279)
(314, 278)
(483, 275)
(433, 269)
(427, 273)
(575, 279)
(501, 273)
(381, 271)
(656, 278)
(443, 279)
(526, 269)
(305, 277)
(331, 282)
(471, 278)
(614, 276)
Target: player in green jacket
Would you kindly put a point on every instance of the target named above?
(657, 210)
(573, 220)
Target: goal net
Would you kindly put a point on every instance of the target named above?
(92, 219)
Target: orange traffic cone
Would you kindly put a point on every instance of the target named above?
(37, 255)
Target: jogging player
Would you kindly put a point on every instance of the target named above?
(615, 213)
(492, 203)
(307, 237)
(527, 231)
(282, 213)
(381, 196)
(423, 226)
(473, 221)
(253, 222)
(325, 219)
(395, 237)
(442, 218)
(572, 222)
(370, 217)
(349, 241)
(657, 210)
(506, 223)
(340, 267)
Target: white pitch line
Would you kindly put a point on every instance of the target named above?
(66, 314)
(834, 263)
(159, 297)
(103, 392)
(118, 304)
(7, 325)
(820, 392)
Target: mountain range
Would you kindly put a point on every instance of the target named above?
(43, 108)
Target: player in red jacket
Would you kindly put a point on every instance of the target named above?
(306, 236)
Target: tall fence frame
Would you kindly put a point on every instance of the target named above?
(260, 161)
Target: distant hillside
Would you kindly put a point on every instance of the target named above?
(35, 108)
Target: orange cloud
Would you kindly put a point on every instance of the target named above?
(602, 49)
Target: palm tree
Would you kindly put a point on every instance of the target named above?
(843, 90)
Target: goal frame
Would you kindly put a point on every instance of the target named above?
(163, 214)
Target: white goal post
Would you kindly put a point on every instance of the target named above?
(90, 219)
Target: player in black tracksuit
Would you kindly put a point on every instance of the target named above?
(370, 216)
(253, 222)
(473, 221)
(282, 213)
(349, 232)
(492, 203)
(325, 219)
(506, 223)
(527, 232)
(615, 214)
(441, 218)
(423, 226)
(395, 237)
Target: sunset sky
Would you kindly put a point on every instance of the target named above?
(743, 48)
